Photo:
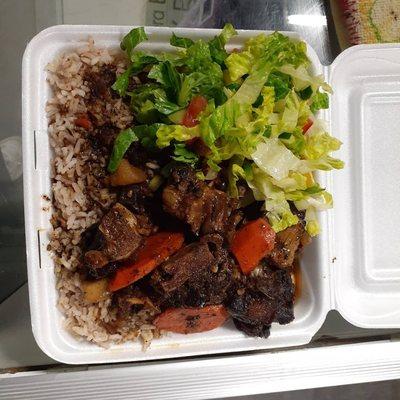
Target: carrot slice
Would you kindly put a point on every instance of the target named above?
(191, 320)
(251, 243)
(156, 249)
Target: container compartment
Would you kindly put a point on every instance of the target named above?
(365, 112)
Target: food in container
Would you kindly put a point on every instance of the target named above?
(316, 295)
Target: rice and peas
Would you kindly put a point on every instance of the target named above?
(79, 197)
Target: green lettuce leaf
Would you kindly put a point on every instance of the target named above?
(166, 74)
(312, 224)
(306, 93)
(147, 134)
(139, 61)
(121, 144)
(221, 119)
(162, 104)
(281, 83)
(167, 133)
(142, 103)
(296, 142)
(235, 172)
(239, 64)
(184, 155)
(324, 164)
(180, 41)
(198, 55)
(132, 39)
(217, 45)
(319, 101)
(318, 142)
(251, 87)
(122, 82)
(290, 115)
(191, 85)
(292, 183)
(321, 200)
(277, 49)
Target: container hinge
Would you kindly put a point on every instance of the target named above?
(327, 72)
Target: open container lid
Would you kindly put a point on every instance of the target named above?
(365, 114)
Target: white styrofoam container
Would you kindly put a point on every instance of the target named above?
(350, 267)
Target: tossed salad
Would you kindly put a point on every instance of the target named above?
(251, 111)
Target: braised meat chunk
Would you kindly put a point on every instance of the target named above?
(120, 230)
(277, 285)
(131, 300)
(287, 243)
(210, 285)
(257, 330)
(186, 263)
(92, 239)
(97, 265)
(136, 198)
(252, 307)
(205, 209)
(258, 300)
(119, 234)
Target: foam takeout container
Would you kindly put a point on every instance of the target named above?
(351, 267)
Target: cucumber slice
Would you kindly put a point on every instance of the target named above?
(177, 117)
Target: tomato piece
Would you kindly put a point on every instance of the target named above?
(307, 125)
(196, 106)
(83, 122)
(251, 243)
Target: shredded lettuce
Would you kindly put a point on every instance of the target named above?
(166, 74)
(302, 78)
(290, 114)
(259, 123)
(235, 172)
(275, 159)
(318, 142)
(139, 61)
(278, 209)
(167, 133)
(239, 64)
(277, 49)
